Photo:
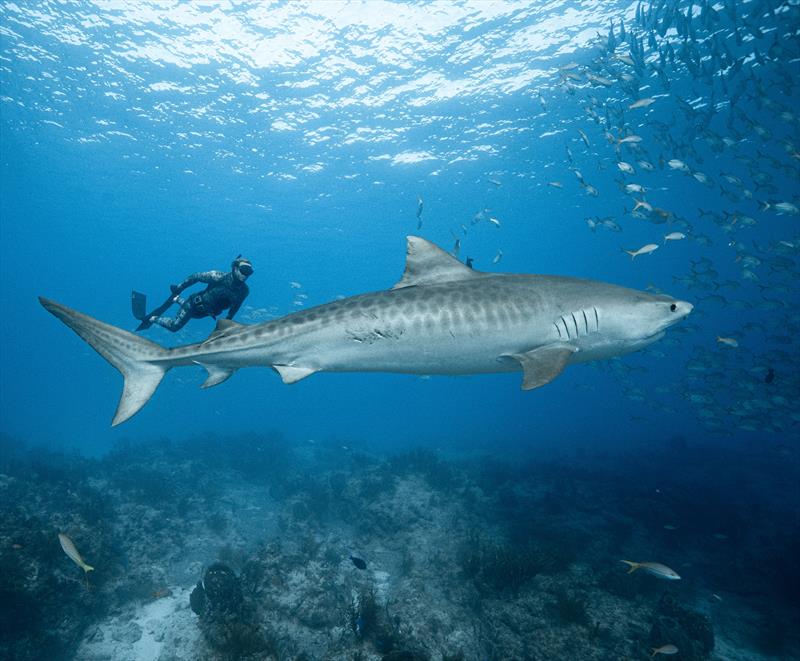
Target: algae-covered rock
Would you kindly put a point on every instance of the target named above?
(691, 632)
(229, 622)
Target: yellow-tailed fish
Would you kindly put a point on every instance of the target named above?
(654, 568)
(72, 552)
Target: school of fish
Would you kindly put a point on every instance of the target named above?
(693, 109)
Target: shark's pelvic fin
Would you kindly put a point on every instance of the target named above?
(292, 373)
(216, 374)
(224, 327)
(139, 360)
(542, 365)
(428, 264)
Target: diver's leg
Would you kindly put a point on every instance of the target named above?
(184, 314)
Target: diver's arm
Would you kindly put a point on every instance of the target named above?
(207, 277)
(235, 307)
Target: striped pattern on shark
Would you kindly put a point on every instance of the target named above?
(441, 318)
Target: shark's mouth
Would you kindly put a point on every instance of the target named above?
(655, 336)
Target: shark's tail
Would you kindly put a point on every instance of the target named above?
(141, 362)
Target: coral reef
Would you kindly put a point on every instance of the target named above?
(198, 559)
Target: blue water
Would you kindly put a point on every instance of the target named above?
(142, 144)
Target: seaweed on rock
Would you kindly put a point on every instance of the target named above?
(495, 567)
(570, 608)
(691, 632)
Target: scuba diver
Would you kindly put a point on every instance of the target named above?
(224, 291)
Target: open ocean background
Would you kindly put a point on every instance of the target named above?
(145, 141)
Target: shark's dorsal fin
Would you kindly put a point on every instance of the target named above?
(223, 327)
(427, 263)
(542, 365)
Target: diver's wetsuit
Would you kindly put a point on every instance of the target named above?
(224, 291)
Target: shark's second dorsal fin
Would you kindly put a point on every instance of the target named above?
(427, 263)
(223, 327)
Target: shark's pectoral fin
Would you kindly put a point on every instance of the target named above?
(216, 374)
(542, 365)
(293, 373)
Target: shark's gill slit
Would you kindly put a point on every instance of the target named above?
(558, 329)
(575, 321)
(585, 321)
(596, 319)
(566, 328)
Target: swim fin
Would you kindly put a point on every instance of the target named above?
(138, 303)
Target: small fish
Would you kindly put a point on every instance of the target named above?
(72, 552)
(674, 236)
(634, 188)
(627, 168)
(644, 250)
(677, 164)
(495, 182)
(641, 103)
(655, 568)
(629, 140)
(609, 224)
(358, 563)
(646, 165)
(584, 138)
(770, 376)
(670, 527)
(600, 80)
(555, 184)
(494, 222)
(786, 207)
(666, 650)
(497, 257)
(728, 341)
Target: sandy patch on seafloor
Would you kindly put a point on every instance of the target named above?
(140, 633)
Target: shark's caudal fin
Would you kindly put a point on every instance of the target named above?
(136, 358)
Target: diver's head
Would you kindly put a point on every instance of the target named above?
(241, 268)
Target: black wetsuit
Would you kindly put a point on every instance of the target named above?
(224, 290)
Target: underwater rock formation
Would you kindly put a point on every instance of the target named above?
(229, 622)
(689, 631)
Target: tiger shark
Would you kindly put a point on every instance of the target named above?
(442, 317)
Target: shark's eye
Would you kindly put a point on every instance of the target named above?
(673, 307)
